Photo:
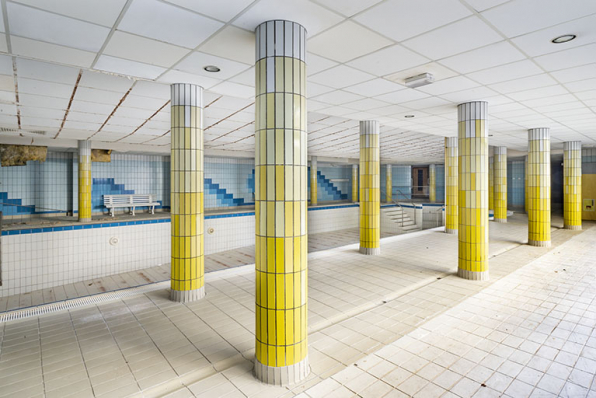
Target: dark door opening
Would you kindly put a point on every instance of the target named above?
(420, 182)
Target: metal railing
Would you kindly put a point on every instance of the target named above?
(399, 206)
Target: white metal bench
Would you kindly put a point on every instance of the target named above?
(132, 201)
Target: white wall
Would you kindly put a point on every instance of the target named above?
(35, 261)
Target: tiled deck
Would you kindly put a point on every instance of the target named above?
(411, 326)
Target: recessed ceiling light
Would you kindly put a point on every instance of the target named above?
(409, 116)
(212, 68)
(563, 39)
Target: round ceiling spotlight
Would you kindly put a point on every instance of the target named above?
(563, 39)
(212, 68)
(409, 116)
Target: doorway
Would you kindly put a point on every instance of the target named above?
(420, 182)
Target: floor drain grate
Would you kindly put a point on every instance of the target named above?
(42, 309)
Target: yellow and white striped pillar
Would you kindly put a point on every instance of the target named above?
(526, 201)
(500, 184)
(491, 180)
(572, 184)
(85, 181)
(281, 199)
(451, 176)
(186, 187)
(432, 183)
(473, 190)
(389, 185)
(354, 183)
(370, 188)
(314, 194)
(539, 187)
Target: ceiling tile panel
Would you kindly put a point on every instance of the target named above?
(140, 49)
(313, 17)
(346, 41)
(523, 16)
(166, 22)
(402, 19)
(40, 25)
(388, 60)
(455, 38)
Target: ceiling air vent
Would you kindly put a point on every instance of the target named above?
(7, 130)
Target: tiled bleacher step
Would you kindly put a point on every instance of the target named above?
(330, 188)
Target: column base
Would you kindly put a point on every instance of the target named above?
(501, 220)
(84, 220)
(471, 275)
(370, 251)
(450, 231)
(282, 375)
(573, 227)
(539, 243)
(187, 296)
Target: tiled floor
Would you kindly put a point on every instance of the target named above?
(213, 262)
(409, 324)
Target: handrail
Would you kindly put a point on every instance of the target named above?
(396, 203)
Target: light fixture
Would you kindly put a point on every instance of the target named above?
(563, 39)
(419, 80)
(409, 116)
(212, 68)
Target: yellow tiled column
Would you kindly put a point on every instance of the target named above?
(572, 184)
(281, 198)
(354, 183)
(313, 182)
(389, 185)
(526, 201)
(186, 193)
(491, 181)
(451, 185)
(85, 181)
(370, 192)
(500, 184)
(432, 183)
(473, 190)
(539, 187)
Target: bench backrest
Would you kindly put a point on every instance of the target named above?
(142, 198)
(127, 199)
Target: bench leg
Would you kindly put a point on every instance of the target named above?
(133, 211)
(152, 209)
(112, 211)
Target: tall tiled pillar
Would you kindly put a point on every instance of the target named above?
(389, 185)
(85, 182)
(572, 184)
(473, 190)
(370, 192)
(539, 187)
(491, 180)
(186, 193)
(281, 204)
(500, 183)
(313, 181)
(432, 183)
(354, 183)
(526, 190)
(451, 185)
